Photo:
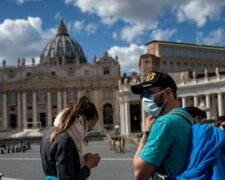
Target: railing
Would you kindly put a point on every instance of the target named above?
(13, 145)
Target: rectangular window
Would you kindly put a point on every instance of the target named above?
(54, 98)
(71, 95)
(106, 70)
(41, 97)
(107, 93)
(29, 98)
(86, 72)
(12, 98)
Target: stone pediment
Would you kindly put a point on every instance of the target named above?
(41, 76)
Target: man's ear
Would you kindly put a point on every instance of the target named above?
(169, 91)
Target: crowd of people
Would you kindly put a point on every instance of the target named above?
(176, 142)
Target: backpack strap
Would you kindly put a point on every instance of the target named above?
(184, 117)
(162, 174)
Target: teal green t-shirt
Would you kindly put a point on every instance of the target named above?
(168, 142)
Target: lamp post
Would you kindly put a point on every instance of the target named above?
(117, 131)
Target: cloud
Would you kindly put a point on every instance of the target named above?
(164, 35)
(199, 11)
(22, 39)
(129, 33)
(128, 56)
(19, 2)
(58, 15)
(78, 26)
(137, 16)
(91, 28)
(216, 37)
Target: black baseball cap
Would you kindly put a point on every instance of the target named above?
(154, 79)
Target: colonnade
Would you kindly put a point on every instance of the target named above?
(212, 103)
(22, 107)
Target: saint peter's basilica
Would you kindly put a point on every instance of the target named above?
(31, 94)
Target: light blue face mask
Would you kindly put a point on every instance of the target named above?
(150, 106)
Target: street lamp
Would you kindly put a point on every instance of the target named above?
(117, 131)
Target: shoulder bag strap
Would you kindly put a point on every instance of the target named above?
(183, 116)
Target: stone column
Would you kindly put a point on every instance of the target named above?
(196, 104)
(59, 100)
(184, 102)
(49, 108)
(24, 109)
(122, 118)
(127, 117)
(64, 98)
(79, 93)
(220, 104)
(34, 108)
(95, 95)
(19, 118)
(4, 110)
(214, 107)
(208, 105)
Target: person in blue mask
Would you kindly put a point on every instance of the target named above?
(164, 147)
(61, 149)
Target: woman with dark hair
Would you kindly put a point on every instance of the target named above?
(61, 146)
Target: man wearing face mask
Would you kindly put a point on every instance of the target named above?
(164, 146)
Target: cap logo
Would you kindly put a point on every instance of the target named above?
(150, 76)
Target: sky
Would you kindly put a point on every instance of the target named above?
(121, 27)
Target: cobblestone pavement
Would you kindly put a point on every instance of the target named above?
(113, 165)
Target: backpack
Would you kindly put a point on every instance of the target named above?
(207, 153)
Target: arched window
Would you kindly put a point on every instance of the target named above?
(108, 116)
(192, 66)
(164, 64)
(178, 65)
(171, 65)
(186, 66)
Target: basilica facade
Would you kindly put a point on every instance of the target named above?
(32, 95)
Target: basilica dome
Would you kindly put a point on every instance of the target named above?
(62, 49)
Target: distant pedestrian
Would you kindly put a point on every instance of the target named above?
(123, 142)
(221, 122)
(61, 147)
(86, 140)
(196, 113)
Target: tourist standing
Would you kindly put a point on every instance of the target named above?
(164, 146)
(61, 146)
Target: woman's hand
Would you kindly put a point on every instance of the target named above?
(86, 156)
(92, 160)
